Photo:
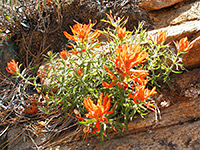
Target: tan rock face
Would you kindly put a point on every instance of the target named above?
(189, 29)
(192, 12)
(157, 4)
(187, 11)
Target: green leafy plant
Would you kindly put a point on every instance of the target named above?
(163, 61)
(120, 69)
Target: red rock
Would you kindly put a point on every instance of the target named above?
(157, 4)
(189, 11)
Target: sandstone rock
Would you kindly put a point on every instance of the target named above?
(187, 11)
(191, 29)
(157, 4)
(192, 13)
(192, 58)
(187, 79)
(178, 129)
(180, 21)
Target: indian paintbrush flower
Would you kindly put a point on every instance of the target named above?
(81, 32)
(116, 80)
(139, 73)
(183, 45)
(12, 67)
(63, 54)
(112, 20)
(121, 33)
(141, 93)
(127, 58)
(160, 36)
(98, 111)
(75, 53)
(79, 72)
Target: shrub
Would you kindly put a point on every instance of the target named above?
(107, 83)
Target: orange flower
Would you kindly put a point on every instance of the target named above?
(12, 67)
(141, 94)
(150, 106)
(81, 32)
(110, 17)
(160, 36)
(98, 111)
(79, 71)
(183, 45)
(121, 32)
(127, 58)
(63, 54)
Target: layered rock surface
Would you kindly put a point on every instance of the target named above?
(180, 21)
(157, 4)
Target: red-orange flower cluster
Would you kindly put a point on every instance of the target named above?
(160, 36)
(121, 33)
(12, 67)
(127, 58)
(79, 71)
(63, 54)
(98, 111)
(81, 32)
(141, 93)
(183, 45)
